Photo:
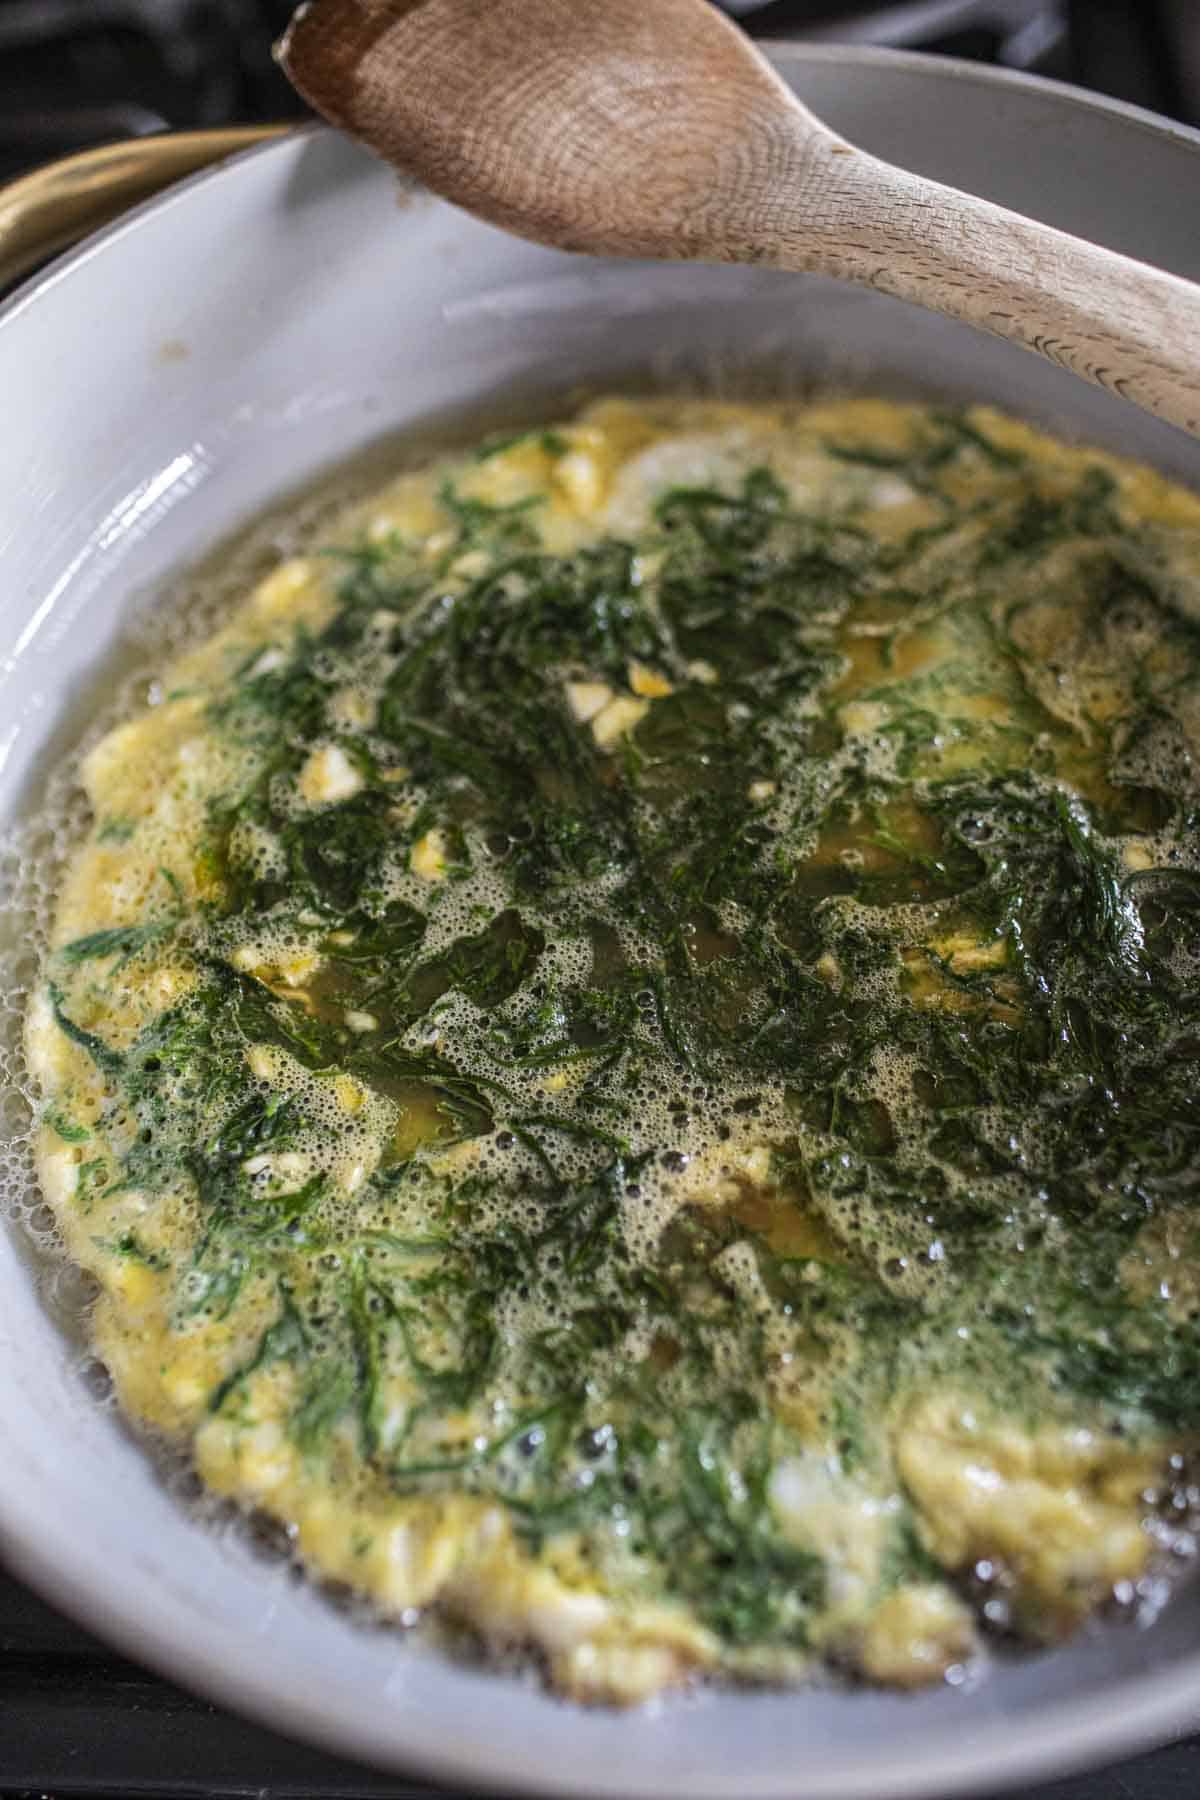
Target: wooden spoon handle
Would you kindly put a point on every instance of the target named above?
(1122, 324)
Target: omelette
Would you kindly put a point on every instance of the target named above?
(622, 1046)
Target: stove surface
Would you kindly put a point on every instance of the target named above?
(75, 1718)
(74, 73)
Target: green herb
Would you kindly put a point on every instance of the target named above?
(105, 1059)
(914, 954)
(67, 1130)
(123, 941)
(131, 1249)
(282, 1341)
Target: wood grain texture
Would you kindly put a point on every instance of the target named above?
(653, 128)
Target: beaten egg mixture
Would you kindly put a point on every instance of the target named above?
(623, 1046)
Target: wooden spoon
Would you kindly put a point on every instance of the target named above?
(653, 128)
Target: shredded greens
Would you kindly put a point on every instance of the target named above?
(852, 888)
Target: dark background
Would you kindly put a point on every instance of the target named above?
(79, 72)
(74, 1718)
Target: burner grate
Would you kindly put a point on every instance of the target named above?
(74, 73)
(1020, 33)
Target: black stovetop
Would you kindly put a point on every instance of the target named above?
(80, 72)
(76, 1719)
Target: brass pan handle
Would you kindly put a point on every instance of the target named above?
(53, 207)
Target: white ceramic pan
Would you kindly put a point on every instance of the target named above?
(197, 360)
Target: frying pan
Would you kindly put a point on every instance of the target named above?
(215, 350)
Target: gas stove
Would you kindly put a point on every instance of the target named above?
(75, 73)
(76, 1719)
